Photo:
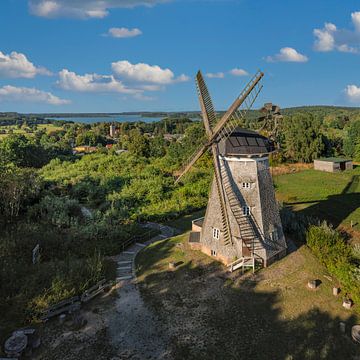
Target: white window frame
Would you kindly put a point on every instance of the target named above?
(246, 185)
(216, 233)
(274, 235)
(246, 210)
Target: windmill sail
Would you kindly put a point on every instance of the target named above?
(229, 121)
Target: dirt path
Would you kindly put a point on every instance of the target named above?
(133, 329)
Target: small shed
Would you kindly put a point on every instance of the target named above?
(333, 164)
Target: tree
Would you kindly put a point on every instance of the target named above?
(353, 136)
(302, 138)
(16, 187)
(157, 146)
(138, 144)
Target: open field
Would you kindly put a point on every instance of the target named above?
(47, 127)
(209, 314)
(331, 196)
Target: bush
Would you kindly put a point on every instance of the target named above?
(331, 249)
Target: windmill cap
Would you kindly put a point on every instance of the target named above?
(244, 142)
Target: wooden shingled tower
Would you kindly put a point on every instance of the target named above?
(242, 224)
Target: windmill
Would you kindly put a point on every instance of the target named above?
(232, 228)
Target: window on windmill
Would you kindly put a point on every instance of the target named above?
(246, 185)
(216, 233)
(213, 253)
(246, 210)
(274, 236)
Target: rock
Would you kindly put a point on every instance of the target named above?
(62, 318)
(16, 344)
(347, 304)
(355, 333)
(336, 291)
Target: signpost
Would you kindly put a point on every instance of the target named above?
(36, 254)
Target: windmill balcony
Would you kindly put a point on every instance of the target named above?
(197, 224)
(194, 237)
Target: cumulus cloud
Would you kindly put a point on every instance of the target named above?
(145, 73)
(69, 80)
(238, 72)
(123, 32)
(352, 93)
(13, 93)
(83, 9)
(218, 75)
(16, 65)
(330, 38)
(287, 54)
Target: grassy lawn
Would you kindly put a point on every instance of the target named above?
(331, 196)
(47, 127)
(184, 223)
(270, 315)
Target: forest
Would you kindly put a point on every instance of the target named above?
(81, 208)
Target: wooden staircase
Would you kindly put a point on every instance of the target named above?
(243, 262)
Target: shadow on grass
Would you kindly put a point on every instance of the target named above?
(207, 316)
(336, 208)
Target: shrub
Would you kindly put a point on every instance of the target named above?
(331, 249)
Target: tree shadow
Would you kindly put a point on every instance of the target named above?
(208, 314)
(336, 208)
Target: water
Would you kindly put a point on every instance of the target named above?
(110, 118)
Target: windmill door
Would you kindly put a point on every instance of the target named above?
(245, 249)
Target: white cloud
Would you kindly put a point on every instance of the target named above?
(352, 93)
(218, 75)
(330, 38)
(123, 32)
(238, 72)
(16, 65)
(13, 93)
(145, 73)
(69, 80)
(287, 54)
(83, 9)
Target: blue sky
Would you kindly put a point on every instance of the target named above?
(138, 55)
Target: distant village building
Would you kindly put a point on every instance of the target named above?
(84, 149)
(333, 164)
(172, 137)
(112, 131)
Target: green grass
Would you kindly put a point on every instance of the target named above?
(184, 223)
(211, 315)
(47, 127)
(331, 196)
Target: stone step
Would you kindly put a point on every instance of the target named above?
(124, 268)
(141, 245)
(128, 277)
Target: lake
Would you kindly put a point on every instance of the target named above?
(110, 118)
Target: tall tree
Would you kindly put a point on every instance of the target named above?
(303, 140)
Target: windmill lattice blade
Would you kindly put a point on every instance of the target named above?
(192, 160)
(229, 121)
(207, 108)
(244, 101)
